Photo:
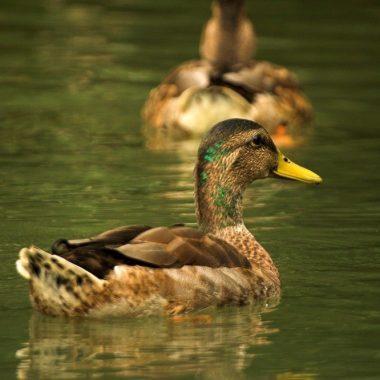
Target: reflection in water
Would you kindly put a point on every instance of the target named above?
(212, 346)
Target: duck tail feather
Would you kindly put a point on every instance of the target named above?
(58, 287)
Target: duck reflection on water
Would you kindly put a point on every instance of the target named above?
(219, 345)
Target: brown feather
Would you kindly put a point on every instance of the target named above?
(116, 236)
(153, 254)
(160, 247)
(161, 235)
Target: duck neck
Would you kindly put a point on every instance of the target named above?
(219, 202)
(228, 38)
(229, 13)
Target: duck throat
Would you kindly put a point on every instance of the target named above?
(219, 202)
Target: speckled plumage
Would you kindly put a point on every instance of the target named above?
(226, 82)
(139, 270)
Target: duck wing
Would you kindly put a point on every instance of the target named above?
(262, 77)
(111, 238)
(174, 247)
(161, 247)
(189, 74)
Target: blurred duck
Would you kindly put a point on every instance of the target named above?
(140, 270)
(226, 83)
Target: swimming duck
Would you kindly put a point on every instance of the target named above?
(226, 82)
(140, 270)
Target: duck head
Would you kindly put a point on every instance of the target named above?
(234, 153)
(243, 151)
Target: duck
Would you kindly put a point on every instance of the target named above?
(226, 82)
(142, 270)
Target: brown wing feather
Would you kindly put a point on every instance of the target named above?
(262, 77)
(188, 246)
(154, 254)
(161, 235)
(161, 247)
(189, 74)
(115, 237)
(191, 252)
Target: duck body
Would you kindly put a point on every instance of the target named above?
(139, 270)
(226, 83)
(164, 284)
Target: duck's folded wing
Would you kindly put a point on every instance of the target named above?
(262, 77)
(161, 247)
(189, 74)
(174, 247)
(111, 238)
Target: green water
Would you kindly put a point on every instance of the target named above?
(73, 78)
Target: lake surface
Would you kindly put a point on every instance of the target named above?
(73, 78)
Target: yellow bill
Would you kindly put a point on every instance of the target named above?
(289, 169)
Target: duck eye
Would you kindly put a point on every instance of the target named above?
(258, 140)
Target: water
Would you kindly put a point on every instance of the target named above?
(74, 76)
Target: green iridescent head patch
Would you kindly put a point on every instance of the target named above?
(214, 152)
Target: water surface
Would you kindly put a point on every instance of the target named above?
(73, 78)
